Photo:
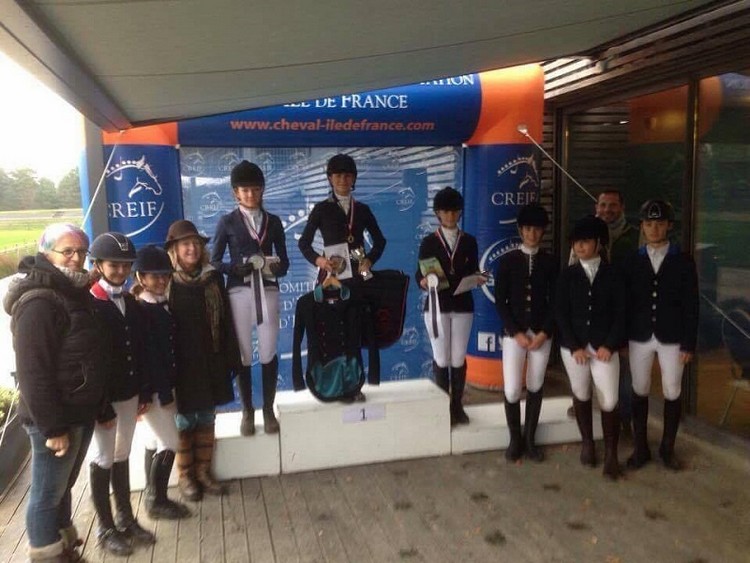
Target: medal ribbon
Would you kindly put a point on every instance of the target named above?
(256, 278)
(451, 253)
(253, 233)
(350, 219)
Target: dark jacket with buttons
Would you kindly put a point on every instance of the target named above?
(465, 262)
(159, 362)
(589, 313)
(232, 231)
(336, 326)
(127, 377)
(328, 217)
(664, 304)
(522, 301)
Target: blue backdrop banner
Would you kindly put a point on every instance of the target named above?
(143, 191)
(396, 182)
(503, 178)
(438, 112)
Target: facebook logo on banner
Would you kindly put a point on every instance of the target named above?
(486, 341)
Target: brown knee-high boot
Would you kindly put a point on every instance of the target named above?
(611, 429)
(585, 426)
(186, 466)
(204, 454)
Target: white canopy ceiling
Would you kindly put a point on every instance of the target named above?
(128, 62)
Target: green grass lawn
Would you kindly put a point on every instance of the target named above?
(24, 228)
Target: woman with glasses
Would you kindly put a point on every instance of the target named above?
(61, 375)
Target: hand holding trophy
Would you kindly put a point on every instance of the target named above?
(358, 254)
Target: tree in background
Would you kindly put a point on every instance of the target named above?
(24, 189)
(69, 190)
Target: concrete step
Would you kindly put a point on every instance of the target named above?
(489, 431)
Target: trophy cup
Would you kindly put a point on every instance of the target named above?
(358, 255)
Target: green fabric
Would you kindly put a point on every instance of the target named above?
(341, 377)
(626, 244)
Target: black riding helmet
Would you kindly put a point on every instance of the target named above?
(448, 199)
(247, 174)
(657, 210)
(113, 247)
(590, 228)
(152, 259)
(532, 215)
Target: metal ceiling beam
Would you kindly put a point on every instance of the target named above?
(43, 55)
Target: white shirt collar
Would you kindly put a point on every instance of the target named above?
(528, 250)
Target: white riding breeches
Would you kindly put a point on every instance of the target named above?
(514, 357)
(642, 359)
(242, 302)
(449, 348)
(606, 377)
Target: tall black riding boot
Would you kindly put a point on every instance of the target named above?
(124, 518)
(245, 385)
(533, 408)
(611, 430)
(109, 538)
(441, 377)
(585, 427)
(513, 417)
(161, 506)
(641, 454)
(672, 413)
(458, 383)
(148, 493)
(270, 380)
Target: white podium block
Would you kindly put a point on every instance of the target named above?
(239, 456)
(488, 429)
(399, 420)
(235, 456)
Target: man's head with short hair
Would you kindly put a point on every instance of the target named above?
(610, 205)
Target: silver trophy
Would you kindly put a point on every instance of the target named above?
(358, 255)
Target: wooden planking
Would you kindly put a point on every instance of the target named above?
(474, 507)
(303, 528)
(189, 535)
(325, 498)
(257, 528)
(235, 537)
(279, 520)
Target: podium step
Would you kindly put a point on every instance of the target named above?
(399, 420)
(489, 431)
(235, 456)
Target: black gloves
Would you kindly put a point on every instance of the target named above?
(242, 270)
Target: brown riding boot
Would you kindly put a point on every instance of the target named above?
(186, 467)
(204, 453)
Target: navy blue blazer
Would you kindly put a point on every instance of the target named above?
(664, 305)
(590, 313)
(522, 301)
(233, 232)
(328, 217)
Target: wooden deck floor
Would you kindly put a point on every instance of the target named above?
(455, 508)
